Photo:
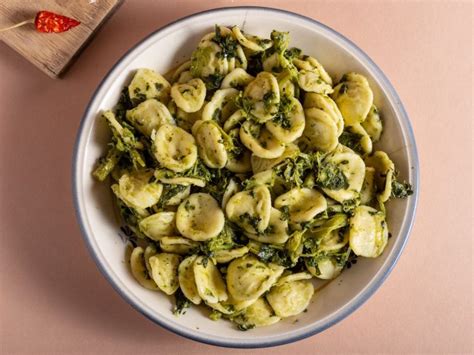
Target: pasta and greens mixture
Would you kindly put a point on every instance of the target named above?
(246, 173)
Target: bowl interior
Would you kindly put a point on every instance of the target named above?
(167, 48)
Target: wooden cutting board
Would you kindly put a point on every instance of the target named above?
(53, 53)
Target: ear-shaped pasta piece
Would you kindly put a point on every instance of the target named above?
(187, 281)
(135, 190)
(262, 164)
(224, 38)
(325, 268)
(139, 270)
(332, 241)
(373, 124)
(368, 234)
(363, 141)
(213, 109)
(260, 141)
(149, 115)
(253, 43)
(312, 64)
(288, 84)
(290, 298)
(259, 314)
(166, 178)
(159, 225)
(320, 130)
(164, 271)
(178, 245)
(150, 250)
(248, 278)
(263, 95)
(185, 67)
(232, 188)
(239, 61)
(294, 277)
(326, 104)
(238, 157)
(353, 168)
(237, 79)
(294, 245)
(367, 193)
(250, 209)
(175, 194)
(189, 96)
(174, 148)
(184, 120)
(210, 285)
(199, 217)
(274, 63)
(224, 256)
(206, 60)
(354, 98)
(148, 84)
(384, 169)
(185, 77)
(211, 143)
(303, 203)
(289, 124)
(276, 232)
(311, 81)
(233, 121)
(230, 306)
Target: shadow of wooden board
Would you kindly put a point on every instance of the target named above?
(53, 52)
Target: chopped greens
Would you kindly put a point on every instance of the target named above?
(239, 216)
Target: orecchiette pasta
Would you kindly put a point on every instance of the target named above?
(263, 95)
(303, 203)
(248, 278)
(189, 96)
(211, 143)
(178, 245)
(139, 270)
(159, 225)
(242, 181)
(187, 281)
(290, 298)
(135, 190)
(199, 217)
(209, 282)
(174, 148)
(149, 115)
(164, 271)
(148, 84)
(368, 235)
(354, 98)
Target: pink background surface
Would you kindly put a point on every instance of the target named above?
(54, 300)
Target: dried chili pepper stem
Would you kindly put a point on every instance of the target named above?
(48, 22)
(18, 25)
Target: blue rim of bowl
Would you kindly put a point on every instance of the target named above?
(356, 302)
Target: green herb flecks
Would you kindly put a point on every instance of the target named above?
(401, 189)
(329, 176)
(352, 140)
(282, 117)
(181, 303)
(227, 43)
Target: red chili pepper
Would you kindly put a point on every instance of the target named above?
(48, 22)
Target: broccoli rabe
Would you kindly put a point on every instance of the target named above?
(124, 140)
(352, 140)
(329, 176)
(107, 164)
(401, 189)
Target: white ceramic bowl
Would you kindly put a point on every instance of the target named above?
(162, 50)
